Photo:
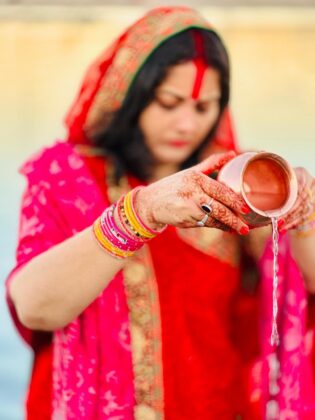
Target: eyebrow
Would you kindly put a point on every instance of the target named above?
(182, 98)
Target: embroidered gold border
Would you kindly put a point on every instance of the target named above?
(141, 39)
(145, 328)
(144, 311)
(145, 324)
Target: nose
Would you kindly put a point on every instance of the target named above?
(186, 120)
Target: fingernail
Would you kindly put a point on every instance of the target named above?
(283, 231)
(280, 223)
(245, 209)
(244, 230)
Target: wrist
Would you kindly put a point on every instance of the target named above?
(144, 209)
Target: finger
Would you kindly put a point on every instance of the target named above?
(213, 223)
(303, 205)
(225, 216)
(292, 225)
(214, 162)
(210, 223)
(293, 219)
(224, 194)
(301, 209)
(301, 175)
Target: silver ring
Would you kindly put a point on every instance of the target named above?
(203, 221)
(206, 207)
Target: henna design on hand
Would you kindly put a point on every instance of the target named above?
(305, 203)
(224, 195)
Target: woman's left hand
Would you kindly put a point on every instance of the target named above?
(305, 202)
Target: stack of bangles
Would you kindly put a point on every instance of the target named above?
(307, 228)
(121, 241)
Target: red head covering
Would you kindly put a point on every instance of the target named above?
(110, 76)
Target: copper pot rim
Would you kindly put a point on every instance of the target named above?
(292, 182)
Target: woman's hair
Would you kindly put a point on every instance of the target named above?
(123, 140)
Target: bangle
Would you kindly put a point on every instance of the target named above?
(116, 235)
(123, 219)
(106, 244)
(134, 220)
(119, 215)
(151, 231)
(122, 241)
(307, 228)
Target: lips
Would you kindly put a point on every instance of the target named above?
(178, 143)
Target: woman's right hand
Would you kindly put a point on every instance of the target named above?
(176, 200)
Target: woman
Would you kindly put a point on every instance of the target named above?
(133, 314)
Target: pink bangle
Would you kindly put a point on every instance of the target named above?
(106, 244)
(123, 239)
(128, 229)
(132, 242)
(111, 236)
(114, 234)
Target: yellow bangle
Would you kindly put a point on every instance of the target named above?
(133, 220)
(311, 217)
(106, 244)
(307, 228)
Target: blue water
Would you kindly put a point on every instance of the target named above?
(15, 357)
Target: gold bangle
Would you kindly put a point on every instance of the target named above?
(311, 217)
(106, 244)
(133, 220)
(303, 233)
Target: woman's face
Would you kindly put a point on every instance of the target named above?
(174, 124)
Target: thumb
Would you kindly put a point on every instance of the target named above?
(214, 162)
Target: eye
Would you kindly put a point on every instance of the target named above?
(167, 102)
(167, 105)
(202, 107)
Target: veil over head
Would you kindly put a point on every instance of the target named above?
(93, 357)
(108, 79)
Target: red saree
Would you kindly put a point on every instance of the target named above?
(201, 367)
(161, 341)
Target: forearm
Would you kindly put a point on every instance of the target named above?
(56, 286)
(303, 251)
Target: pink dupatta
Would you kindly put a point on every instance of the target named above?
(93, 375)
(93, 378)
(92, 370)
(86, 367)
(285, 372)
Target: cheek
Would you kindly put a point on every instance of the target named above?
(152, 122)
(208, 122)
(145, 122)
(149, 126)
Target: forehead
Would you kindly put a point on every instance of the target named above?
(180, 80)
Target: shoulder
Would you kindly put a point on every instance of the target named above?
(60, 172)
(59, 158)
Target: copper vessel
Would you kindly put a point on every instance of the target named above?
(266, 182)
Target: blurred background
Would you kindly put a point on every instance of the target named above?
(45, 47)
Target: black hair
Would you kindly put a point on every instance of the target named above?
(123, 140)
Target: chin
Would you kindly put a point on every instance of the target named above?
(172, 159)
